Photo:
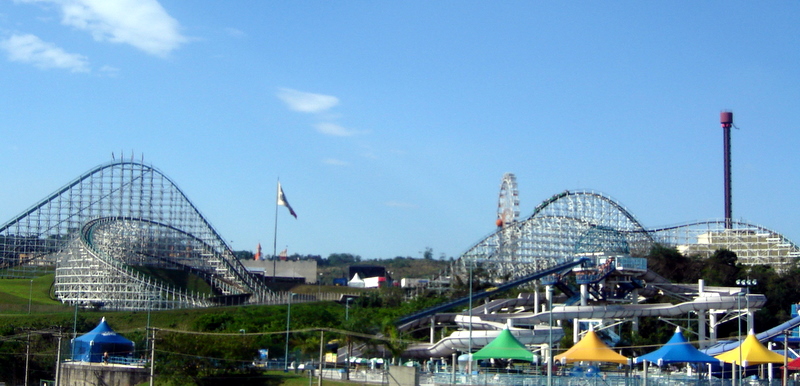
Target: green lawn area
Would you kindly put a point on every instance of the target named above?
(291, 379)
(274, 378)
(18, 291)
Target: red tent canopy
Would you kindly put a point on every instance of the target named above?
(794, 364)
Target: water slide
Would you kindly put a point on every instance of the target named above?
(421, 318)
(774, 332)
(705, 302)
(459, 341)
(486, 327)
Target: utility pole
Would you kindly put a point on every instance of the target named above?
(152, 358)
(27, 358)
(58, 360)
(784, 379)
(321, 354)
(30, 297)
(550, 336)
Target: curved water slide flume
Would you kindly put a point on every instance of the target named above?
(773, 332)
(703, 303)
(458, 341)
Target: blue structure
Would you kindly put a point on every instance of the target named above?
(677, 350)
(92, 346)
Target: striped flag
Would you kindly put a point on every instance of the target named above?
(282, 200)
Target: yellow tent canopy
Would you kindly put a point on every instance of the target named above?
(591, 349)
(752, 353)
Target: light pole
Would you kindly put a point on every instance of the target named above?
(469, 353)
(58, 359)
(784, 379)
(30, 297)
(288, 320)
(153, 358)
(347, 317)
(746, 283)
(738, 337)
(147, 328)
(319, 287)
(550, 336)
(27, 357)
(347, 308)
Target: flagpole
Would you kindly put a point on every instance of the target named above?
(275, 236)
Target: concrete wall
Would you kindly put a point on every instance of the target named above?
(307, 269)
(403, 376)
(85, 374)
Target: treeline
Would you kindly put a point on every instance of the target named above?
(336, 264)
(781, 288)
(722, 268)
(219, 359)
(215, 346)
(335, 259)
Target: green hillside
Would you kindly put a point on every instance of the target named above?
(185, 280)
(15, 294)
(199, 346)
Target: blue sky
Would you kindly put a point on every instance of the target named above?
(390, 124)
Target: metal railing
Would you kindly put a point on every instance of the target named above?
(602, 379)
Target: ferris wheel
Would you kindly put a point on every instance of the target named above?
(508, 203)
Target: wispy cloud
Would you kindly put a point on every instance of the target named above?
(109, 71)
(306, 102)
(400, 204)
(235, 32)
(328, 128)
(30, 49)
(335, 162)
(143, 24)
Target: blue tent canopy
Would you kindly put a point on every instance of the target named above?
(91, 346)
(676, 350)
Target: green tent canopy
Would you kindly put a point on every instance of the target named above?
(505, 346)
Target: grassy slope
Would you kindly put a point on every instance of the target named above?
(18, 291)
(14, 294)
(180, 279)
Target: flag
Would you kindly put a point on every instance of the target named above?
(282, 200)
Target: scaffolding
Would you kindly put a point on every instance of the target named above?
(97, 232)
(753, 244)
(559, 227)
(550, 236)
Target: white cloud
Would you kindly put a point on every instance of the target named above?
(399, 204)
(307, 102)
(235, 32)
(335, 162)
(328, 128)
(143, 24)
(30, 49)
(109, 71)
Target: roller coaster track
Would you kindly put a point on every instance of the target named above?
(119, 194)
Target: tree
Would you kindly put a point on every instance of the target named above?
(721, 268)
(343, 259)
(244, 255)
(668, 262)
